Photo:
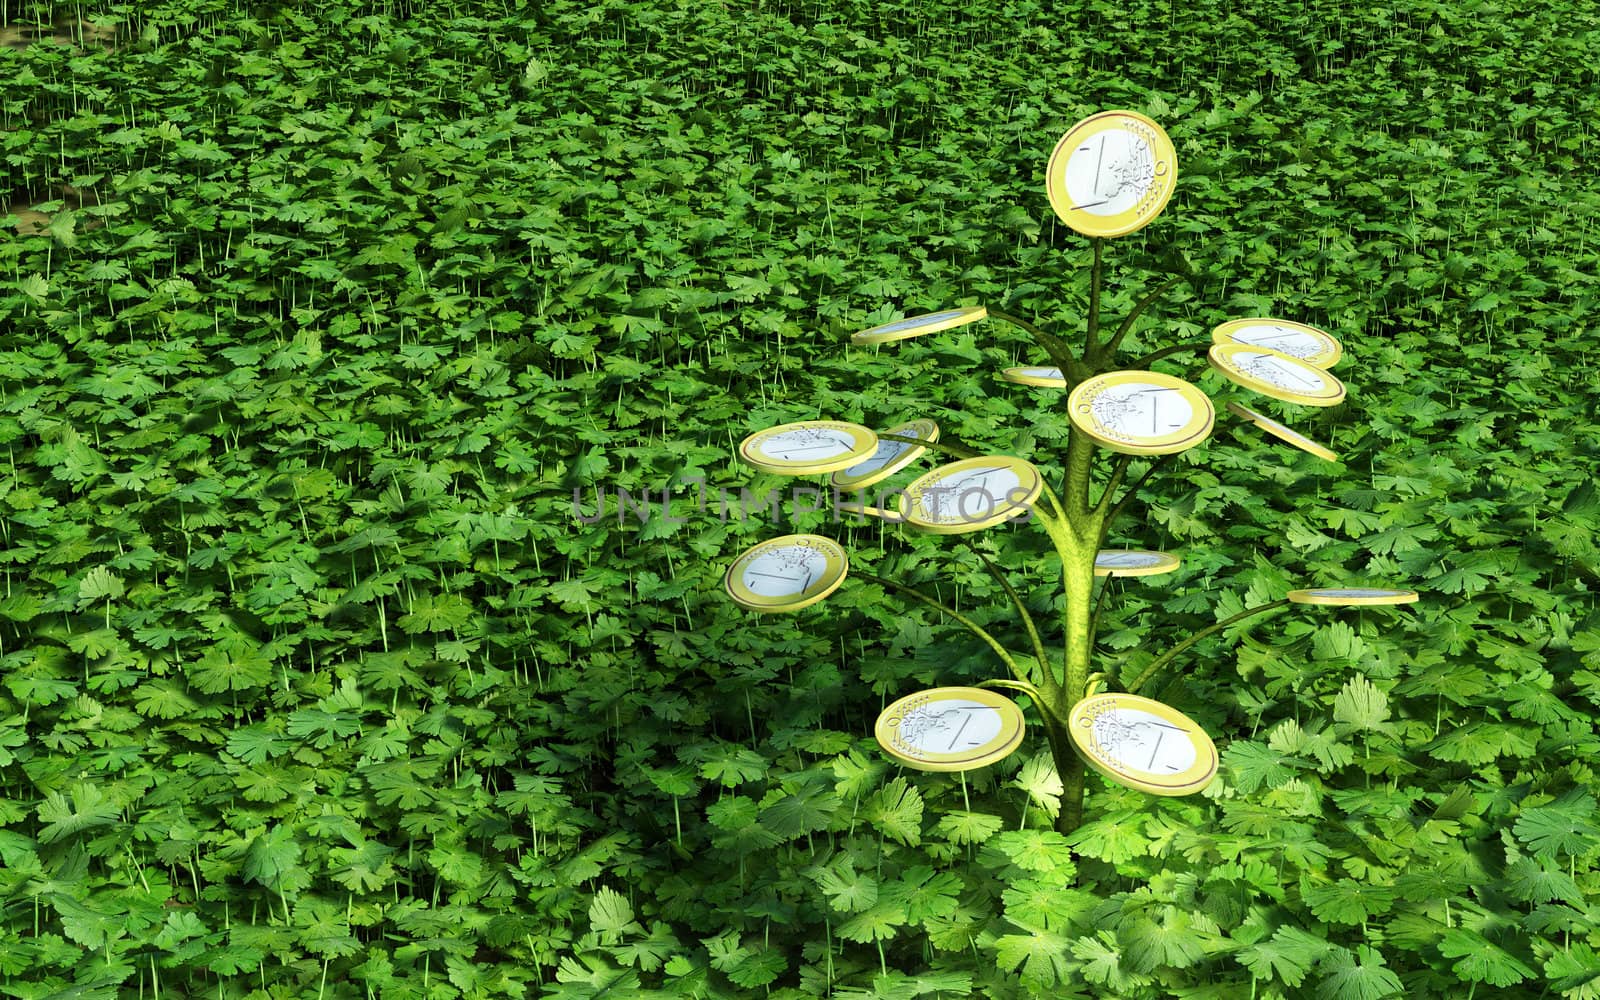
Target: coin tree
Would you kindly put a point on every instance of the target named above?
(1109, 175)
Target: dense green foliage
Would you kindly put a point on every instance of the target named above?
(314, 684)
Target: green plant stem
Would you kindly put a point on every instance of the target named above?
(1076, 534)
(959, 451)
(1023, 686)
(1080, 459)
(1094, 619)
(1032, 329)
(1167, 352)
(1105, 498)
(1061, 752)
(1117, 472)
(1091, 334)
(968, 623)
(1110, 350)
(1069, 766)
(1173, 653)
(1057, 511)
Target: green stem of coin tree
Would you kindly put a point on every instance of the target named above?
(1077, 526)
(1077, 532)
(1075, 535)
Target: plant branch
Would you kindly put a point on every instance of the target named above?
(1058, 513)
(1091, 337)
(1099, 602)
(1165, 352)
(1046, 677)
(1116, 511)
(1059, 350)
(1023, 686)
(1138, 310)
(1117, 472)
(959, 451)
(1169, 655)
(968, 623)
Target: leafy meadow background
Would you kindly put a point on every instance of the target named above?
(311, 325)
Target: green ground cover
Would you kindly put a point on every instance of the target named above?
(311, 682)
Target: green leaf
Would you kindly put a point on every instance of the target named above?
(1539, 880)
(1361, 976)
(611, 915)
(35, 287)
(435, 613)
(273, 859)
(1032, 850)
(1288, 955)
(180, 927)
(1482, 961)
(1116, 837)
(88, 926)
(1348, 902)
(1102, 963)
(1318, 744)
(1565, 826)
(99, 584)
(1251, 765)
(1360, 705)
(1038, 778)
(590, 978)
(925, 894)
(856, 774)
(804, 811)
(364, 868)
(257, 744)
(761, 966)
(1176, 939)
(1044, 904)
(87, 808)
(847, 889)
(962, 828)
(649, 952)
(162, 699)
(875, 924)
(924, 983)
(232, 960)
(1575, 971)
(1337, 641)
(327, 728)
(1040, 957)
(734, 766)
(220, 670)
(896, 810)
